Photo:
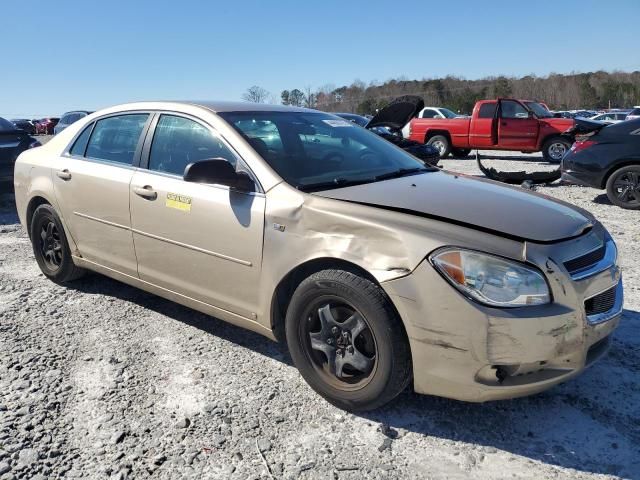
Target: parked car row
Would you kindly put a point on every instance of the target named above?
(48, 125)
(379, 271)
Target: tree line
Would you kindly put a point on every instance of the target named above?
(592, 90)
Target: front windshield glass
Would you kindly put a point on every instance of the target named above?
(539, 110)
(448, 113)
(316, 151)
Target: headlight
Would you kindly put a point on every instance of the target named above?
(491, 280)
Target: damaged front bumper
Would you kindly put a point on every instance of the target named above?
(475, 353)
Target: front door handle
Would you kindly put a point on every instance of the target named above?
(146, 192)
(64, 174)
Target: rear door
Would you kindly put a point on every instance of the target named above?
(91, 183)
(202, 241)
(516, 130)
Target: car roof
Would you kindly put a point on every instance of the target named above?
(212, 105)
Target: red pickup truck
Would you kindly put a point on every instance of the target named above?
(502, 124)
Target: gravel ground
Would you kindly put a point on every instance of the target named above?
(100, 380)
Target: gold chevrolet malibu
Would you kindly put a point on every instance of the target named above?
(377, 271)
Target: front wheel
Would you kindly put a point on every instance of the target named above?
(623, 187)
(441, 143)
(50, 246)
(554, 149)
(347, 341)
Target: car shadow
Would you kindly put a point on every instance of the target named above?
(602, 199)
(534, 427)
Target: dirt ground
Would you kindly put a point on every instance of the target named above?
(100, 380)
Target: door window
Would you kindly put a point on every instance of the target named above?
(178, 141)
(511, 109)
(115, 139)
(429, 114)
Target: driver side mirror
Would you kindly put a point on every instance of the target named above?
(218, 171)
(531, 114)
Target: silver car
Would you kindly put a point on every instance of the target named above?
(377, 271)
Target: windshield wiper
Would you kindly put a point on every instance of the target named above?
(335, 183)
(401, 172)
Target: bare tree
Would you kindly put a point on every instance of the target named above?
(256, 94)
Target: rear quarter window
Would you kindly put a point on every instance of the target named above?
(487, 110)
(80, 145)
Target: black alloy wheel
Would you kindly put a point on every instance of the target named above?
(623, 187)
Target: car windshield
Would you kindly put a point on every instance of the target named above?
(448, 113)
(539, 110)
(316, 151)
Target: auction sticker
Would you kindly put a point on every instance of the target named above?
(179, 202)
(338, 123)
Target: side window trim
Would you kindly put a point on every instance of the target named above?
(146, 148)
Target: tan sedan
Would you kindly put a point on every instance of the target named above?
(299, 225)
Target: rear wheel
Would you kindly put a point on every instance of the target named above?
(623, 187)
(50, 246)
(460, 152)
(554, 149)
(347, 341)
(441, 143)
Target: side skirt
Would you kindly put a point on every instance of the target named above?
(203, 307)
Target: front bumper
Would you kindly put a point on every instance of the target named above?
(470, 352)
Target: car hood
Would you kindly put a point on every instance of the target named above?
(475, 203)
(398, 113)
(582, 126)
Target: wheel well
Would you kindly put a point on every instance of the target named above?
(617, 166)
(554, 135)
(432, 133)
(286, 287)
(34, 203)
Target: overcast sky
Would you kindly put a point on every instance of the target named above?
(63, 55)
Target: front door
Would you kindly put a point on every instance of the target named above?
(516, 129)
(91, 183)
(202, 241)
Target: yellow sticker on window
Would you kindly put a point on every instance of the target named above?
(179, 202)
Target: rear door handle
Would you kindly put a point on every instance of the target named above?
(64, 174)
(146, 192)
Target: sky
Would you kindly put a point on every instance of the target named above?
(63, 55)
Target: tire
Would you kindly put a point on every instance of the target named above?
(50, 246)
(441, 143)
(325, 310)
(555, 148)
(460, 152)
(623, 187)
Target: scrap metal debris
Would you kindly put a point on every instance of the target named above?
(523, 178)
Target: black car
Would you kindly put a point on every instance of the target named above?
(606, 157)
(388, 124)
(13, 142)
(24, 124)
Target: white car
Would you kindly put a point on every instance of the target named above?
(634, 114)
(611, 117)
(431, 112)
